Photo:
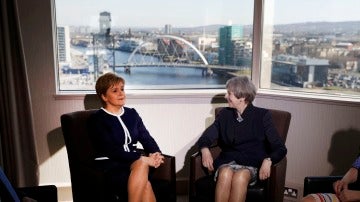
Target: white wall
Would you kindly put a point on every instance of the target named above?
(177, 121)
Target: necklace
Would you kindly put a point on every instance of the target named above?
(239, 118)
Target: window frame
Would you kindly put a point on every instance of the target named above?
(210, 93)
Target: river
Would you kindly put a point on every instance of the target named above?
(162, 77)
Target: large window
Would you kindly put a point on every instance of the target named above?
(308, 47)
(311, 46)
(153, 44)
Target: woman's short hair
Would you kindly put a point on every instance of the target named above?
(242, 87)
(104, 82)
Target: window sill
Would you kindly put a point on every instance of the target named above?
(218, 96)
(149, 94)
(333, 99)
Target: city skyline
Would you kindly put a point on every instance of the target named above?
(199, 13)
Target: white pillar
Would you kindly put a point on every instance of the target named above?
(311, 73)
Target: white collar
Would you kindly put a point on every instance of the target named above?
(117, 115)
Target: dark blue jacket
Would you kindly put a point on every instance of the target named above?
(247, 142)
(108, 136)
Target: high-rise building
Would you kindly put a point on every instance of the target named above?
(63, 48)
(105, 22)
(227, 38)
(168, 29)
(299, 71)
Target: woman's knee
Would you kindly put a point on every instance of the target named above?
(148, 186)
(225, 173)
(242, 176)
(308, 198)
(139, 165)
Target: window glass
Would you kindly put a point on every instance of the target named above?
(311, 46)
(153, 44)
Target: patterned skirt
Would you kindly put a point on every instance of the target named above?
(325, 197)
(235, 167)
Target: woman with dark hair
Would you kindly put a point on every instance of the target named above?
(248, 140)
(115, 131)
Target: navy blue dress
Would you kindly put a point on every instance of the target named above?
(110, 141)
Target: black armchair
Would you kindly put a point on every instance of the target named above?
(324, 184)
(44, 193)
(87, 182)
(202, 185)
(319, 184)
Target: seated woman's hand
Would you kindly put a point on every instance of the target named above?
(339, 186)
(265, 169)
(150, 161)
(349, 195)
(158, 158)
(207, 159)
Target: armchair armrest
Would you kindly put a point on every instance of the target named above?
(324, 184)
(166, 171)
(164, 180)
(276, 182)
(319, 184)
(45, 193)
(197, 170)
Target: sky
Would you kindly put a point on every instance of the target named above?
(190, 13)
(295, 11)
(155, 13)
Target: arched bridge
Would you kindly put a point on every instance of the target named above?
(170, 51)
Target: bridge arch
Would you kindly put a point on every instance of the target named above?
(171, 37)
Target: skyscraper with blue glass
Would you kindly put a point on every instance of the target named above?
(227, 36)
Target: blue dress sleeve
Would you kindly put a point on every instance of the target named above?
(277, 147)
(356, 163)
(209, 135)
